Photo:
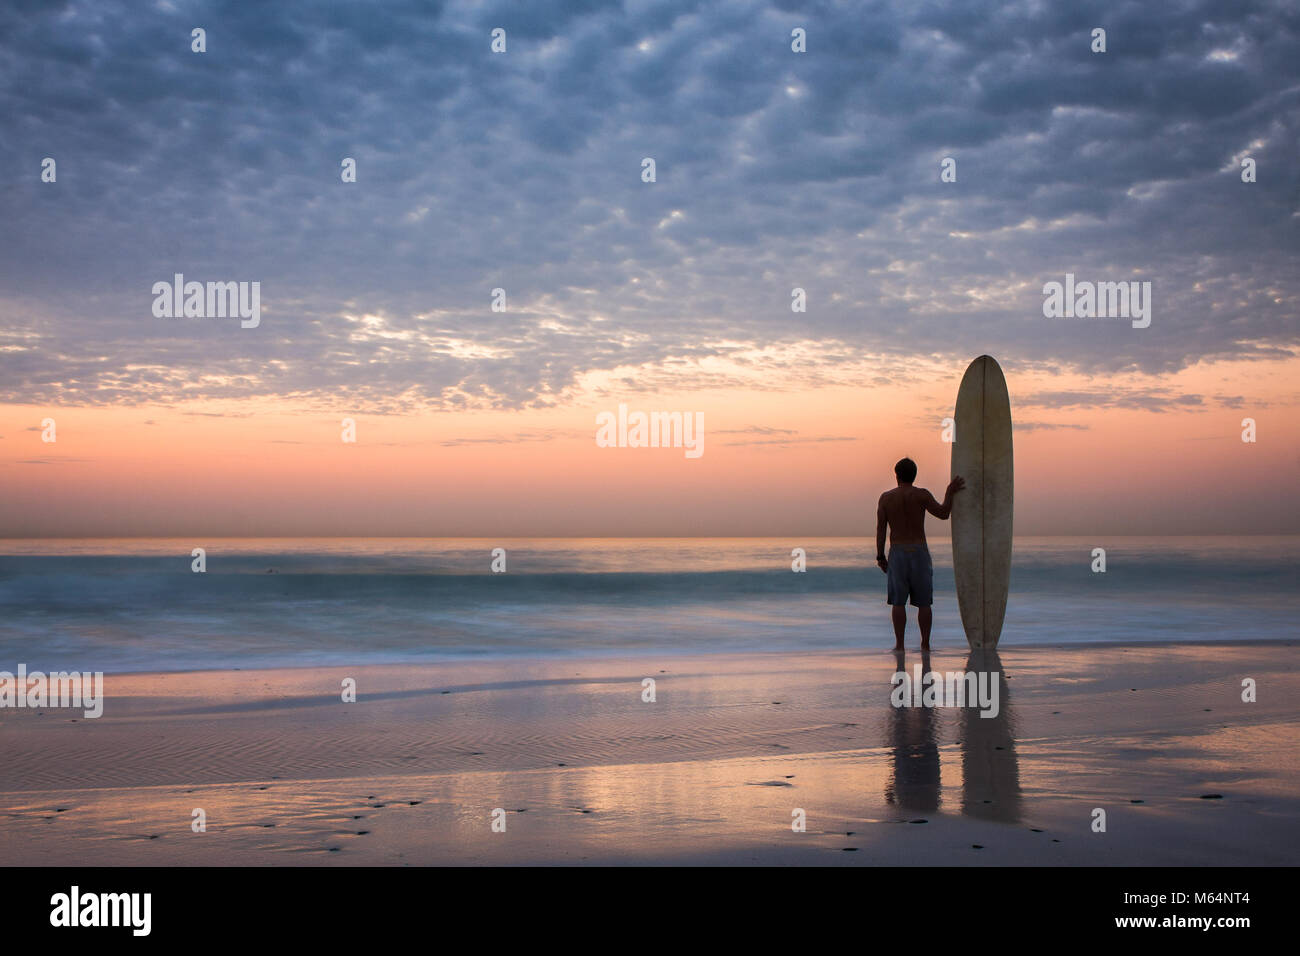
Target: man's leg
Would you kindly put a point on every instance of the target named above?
(896, 593)
(922, 588)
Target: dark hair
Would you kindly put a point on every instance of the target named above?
(905, 470)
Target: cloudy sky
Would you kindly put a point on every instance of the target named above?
(522, 170)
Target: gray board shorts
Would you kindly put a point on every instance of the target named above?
(911, 574)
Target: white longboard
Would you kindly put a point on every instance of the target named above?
(981, 513)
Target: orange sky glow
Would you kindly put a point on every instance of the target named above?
(779, 458)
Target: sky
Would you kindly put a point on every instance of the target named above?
(522, 170)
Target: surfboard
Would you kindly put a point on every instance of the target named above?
(981, 512)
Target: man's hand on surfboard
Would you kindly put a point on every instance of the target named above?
(954, 486)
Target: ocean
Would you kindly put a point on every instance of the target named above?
(135, 604)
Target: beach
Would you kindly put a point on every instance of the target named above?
(713, 771)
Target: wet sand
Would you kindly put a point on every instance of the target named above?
(711, 772)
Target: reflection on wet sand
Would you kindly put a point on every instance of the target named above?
(990, 772)
(914, 779)
(717, 771)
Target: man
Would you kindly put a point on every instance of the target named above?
(909, 570)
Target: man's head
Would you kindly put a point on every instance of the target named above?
(905, 470)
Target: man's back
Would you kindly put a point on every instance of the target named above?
(904, 508)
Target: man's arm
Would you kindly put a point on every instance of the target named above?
(881, 522)
(942, 511)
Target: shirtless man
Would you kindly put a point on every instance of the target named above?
(909, 569)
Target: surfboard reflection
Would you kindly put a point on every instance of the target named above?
(990, 770)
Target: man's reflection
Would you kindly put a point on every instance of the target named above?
(990, 772)
(913, 783)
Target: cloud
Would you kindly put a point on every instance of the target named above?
(50, 461)
(517, 438)
(795, 441)
(1046, 426)
(522, 171)
(756, 430)
(1148, 399)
